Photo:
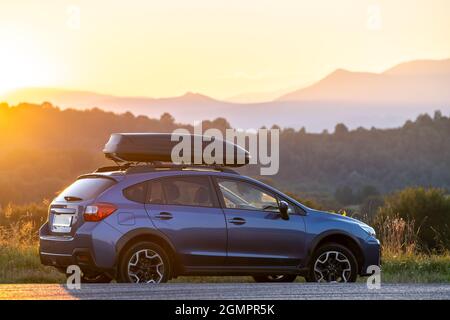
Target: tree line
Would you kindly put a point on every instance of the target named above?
(43, 148)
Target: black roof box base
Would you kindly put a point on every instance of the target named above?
(151, 167)
(157, 147)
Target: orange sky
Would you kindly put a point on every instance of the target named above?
(219, 48)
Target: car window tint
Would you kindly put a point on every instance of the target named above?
(155, 193)
(243, 195)
(136, 192)
(86, 188)
(188, 191)
(292, 208)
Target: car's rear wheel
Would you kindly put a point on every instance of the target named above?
(275, 278)
(333, 263)
(144, 262)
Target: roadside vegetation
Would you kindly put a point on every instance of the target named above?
(19, 250)
(44, 148)
(412, 224)
(364, 173)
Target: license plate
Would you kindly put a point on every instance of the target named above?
(62, 221)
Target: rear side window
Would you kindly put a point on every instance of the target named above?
(146, 192)
(85, 189)
(136, 192)
(188, 191)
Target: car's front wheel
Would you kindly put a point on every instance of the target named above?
(333, 263)
(275, 278)
(144, 262)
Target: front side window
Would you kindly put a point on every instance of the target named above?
(187, 191)
(155, 193)
(243, 195)
(292, 208)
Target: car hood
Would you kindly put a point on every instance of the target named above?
(338, 217)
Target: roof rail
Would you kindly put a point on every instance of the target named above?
(170, 166)
(156, 165)
(113, 168)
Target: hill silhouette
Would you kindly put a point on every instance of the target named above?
(365, 99)
(416, 82)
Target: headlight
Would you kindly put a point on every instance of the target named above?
(368, 229)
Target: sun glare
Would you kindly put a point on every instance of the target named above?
(18, 70)
(22, 65)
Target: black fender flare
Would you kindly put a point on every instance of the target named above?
(141, 232)
(334, 232)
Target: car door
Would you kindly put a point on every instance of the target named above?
(257, 235)
(186, 210)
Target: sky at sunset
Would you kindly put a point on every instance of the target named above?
(219, 48)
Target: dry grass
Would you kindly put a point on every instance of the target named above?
(21, 264)
(19, 250)
(403, 259)
(19, 254)
(418, 268)
(397, 236)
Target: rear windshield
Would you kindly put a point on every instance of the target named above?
(85, 189)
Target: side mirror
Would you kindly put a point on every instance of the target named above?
(284, 207)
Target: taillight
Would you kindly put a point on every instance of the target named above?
(98, 211)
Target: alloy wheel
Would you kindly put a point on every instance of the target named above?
(332, 266)
(146, 266)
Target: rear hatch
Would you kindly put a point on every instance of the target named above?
(66, 210)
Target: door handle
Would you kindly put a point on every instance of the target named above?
(237, 221)
(164, 216)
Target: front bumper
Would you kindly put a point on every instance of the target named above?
(372, 255)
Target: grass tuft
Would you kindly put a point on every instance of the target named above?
(21, 264)
(19, 253)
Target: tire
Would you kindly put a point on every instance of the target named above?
(144, 262)
(275, 278)
(332, 262)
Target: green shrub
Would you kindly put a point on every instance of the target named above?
(427, 208)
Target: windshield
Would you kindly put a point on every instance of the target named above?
(85, 189)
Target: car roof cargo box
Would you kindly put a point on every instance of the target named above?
(157, 147)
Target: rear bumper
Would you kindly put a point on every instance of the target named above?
(81, 257)
(86, 249)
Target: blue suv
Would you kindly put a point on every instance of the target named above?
(151, 222)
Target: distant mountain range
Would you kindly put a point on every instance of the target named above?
(425, 81)
(365, 99)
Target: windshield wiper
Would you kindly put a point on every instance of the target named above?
(71, 198)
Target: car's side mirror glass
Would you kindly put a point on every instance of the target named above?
(284, 207)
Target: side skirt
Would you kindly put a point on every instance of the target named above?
(239, 271)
